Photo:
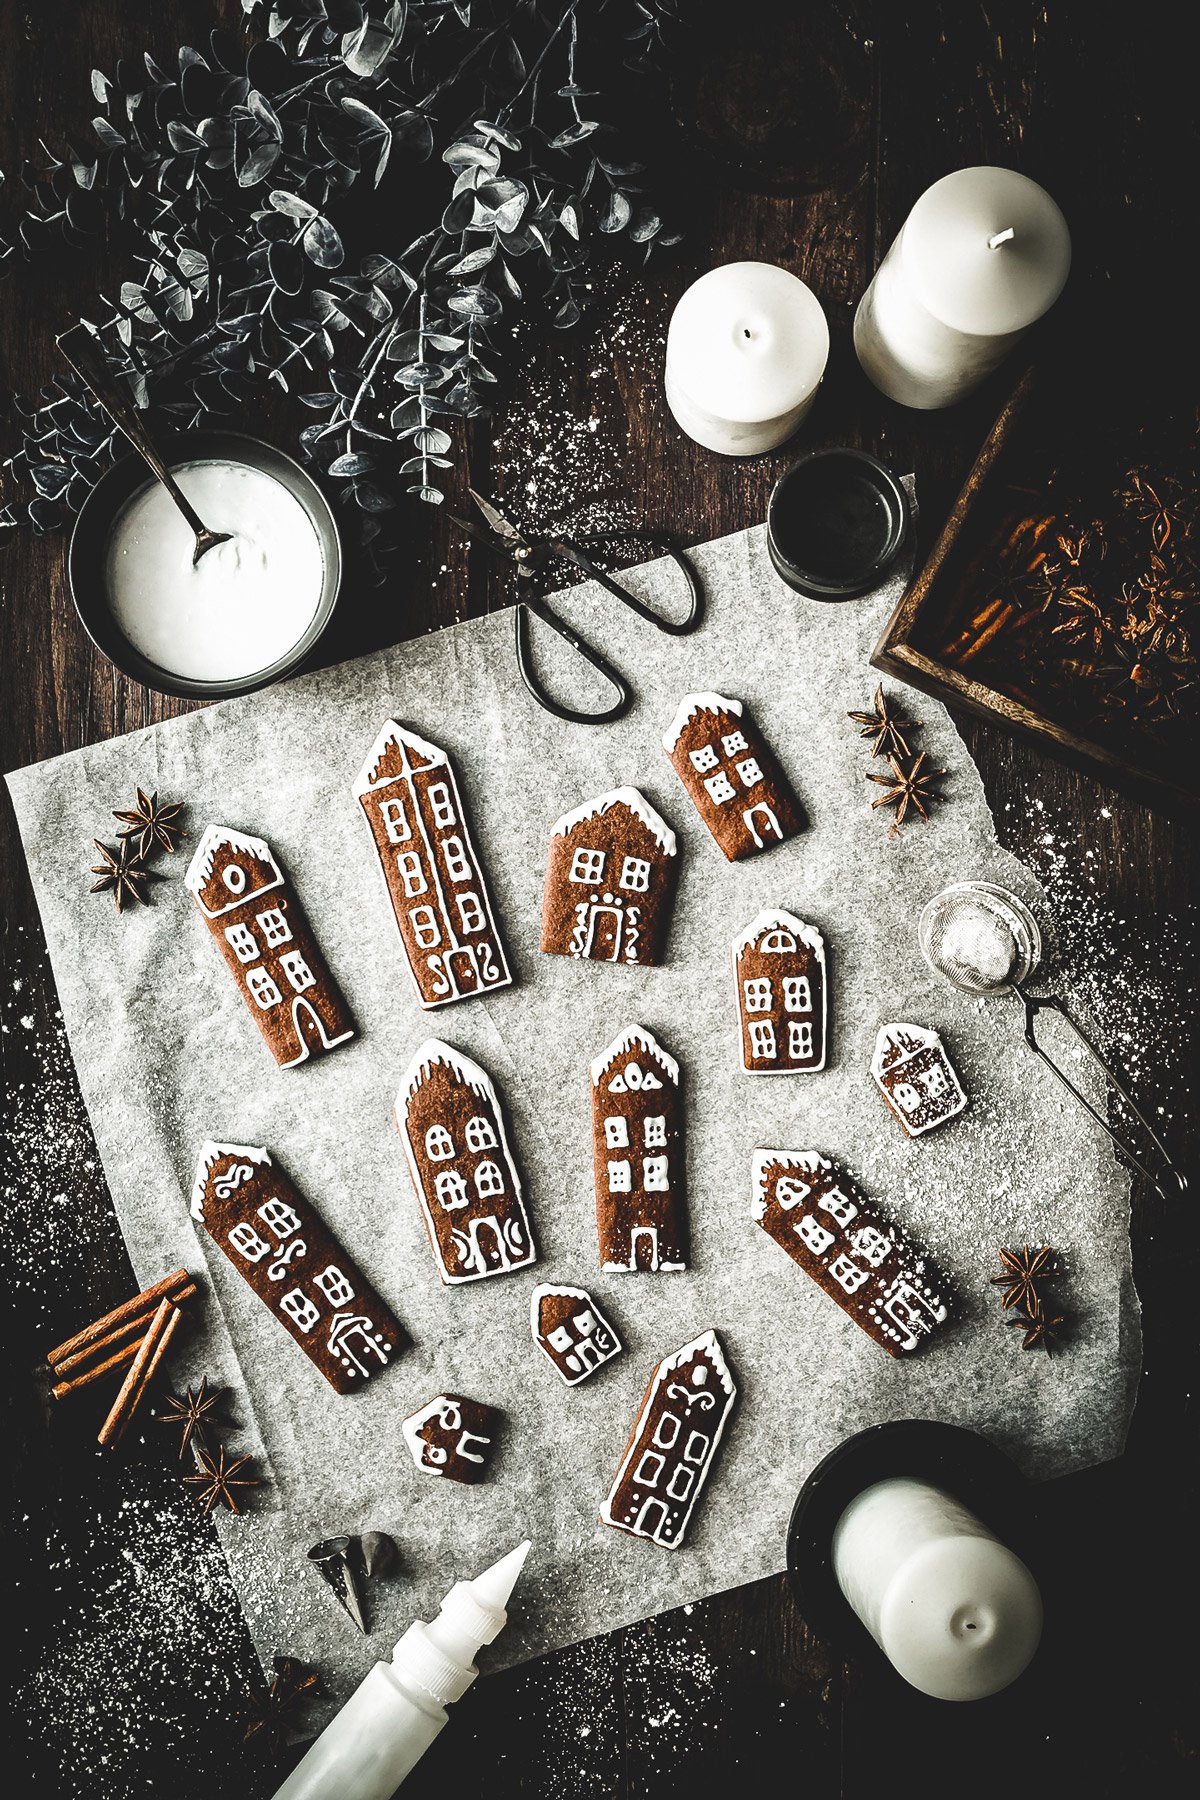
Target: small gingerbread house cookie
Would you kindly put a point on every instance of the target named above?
(637, 1149)
(430, 867)
(569, 1328)
(826, 1224)
(732, 776)
(260, 929)
(673, 1444)
(452, 1436)
(610, 881)
(452, 1125)
(782, 995)
(916, 1077)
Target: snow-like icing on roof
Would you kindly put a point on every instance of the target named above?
(546, 1290)
(689, 706)
(709, 1345)
(777, 919)
(631, 1036)
(210, 1150)
(889, 1047)
(626, 796)
(201, 865)
(395, 736)
(434, 1051)
(809, 1160)
(411, 1431)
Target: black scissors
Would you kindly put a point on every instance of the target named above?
(533, 555)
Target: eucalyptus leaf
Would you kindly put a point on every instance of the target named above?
(322, 245)
(353, 463)
(574, 134)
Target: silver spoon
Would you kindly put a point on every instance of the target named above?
(983, 940)
(79, 347)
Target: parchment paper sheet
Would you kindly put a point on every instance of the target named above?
(167, 1057)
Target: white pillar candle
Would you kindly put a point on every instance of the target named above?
(746, 349)
(955, 1611)
(982, 255)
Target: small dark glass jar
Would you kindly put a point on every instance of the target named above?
(836, 523)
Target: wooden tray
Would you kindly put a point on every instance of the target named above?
(977, 626)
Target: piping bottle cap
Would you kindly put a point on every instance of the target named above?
(439, 1656)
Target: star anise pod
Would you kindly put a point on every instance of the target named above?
(190, 1412)
(149, 826)
(1023, 1270)
(217, 1476)
(1039, 1326)
(123, 871)
(290, 1686)
(884, 727)
(907, 787)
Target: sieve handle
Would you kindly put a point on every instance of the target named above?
(1052, 1003)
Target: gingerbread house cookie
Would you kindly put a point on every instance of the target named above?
(813, 1210)
(569, 1328)
(297, 1268)
(431, 870)
(782, 995)
(452, 1436)
(466, 1179)
(610, 881)
(732, 776)
(672, 1446)
(916, 1077)
(637, 1149)
(260, 929)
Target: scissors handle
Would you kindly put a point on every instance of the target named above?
(577, 554)
(620, 705)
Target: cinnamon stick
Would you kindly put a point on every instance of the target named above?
(142, 1370)
(141, 1306)
(129, 1335)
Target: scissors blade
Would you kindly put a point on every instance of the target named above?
(500, 525)
(488, 539)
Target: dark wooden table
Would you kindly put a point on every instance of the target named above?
(132, 1658)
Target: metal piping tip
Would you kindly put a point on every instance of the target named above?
(379, 1553)
(340, 1560)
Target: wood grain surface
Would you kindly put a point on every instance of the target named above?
(799, 134)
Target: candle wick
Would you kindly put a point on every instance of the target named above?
(1001, 237)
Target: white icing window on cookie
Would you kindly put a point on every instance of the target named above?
(757, 993)
(274, 926)
(297, 971)
(667, 1430)
(696, 1448)
(906, 1096)
(450, 1190)
(797, 994)
(734, 742)
(279, 1217)
(933, 1080)
(790, 1191)
(655, 1132)
(426, 929)
(480, 1135)
(719, 788)
(847, 1274)
(584, 1322)
(749, 772)
(635, 874)
(620, 1176)
(587, 866)
(838, 1206)
(234, 878)
(875, 1245)
(299, 1308)
(680, 1484)
(800, 1038)
(394, 821)
(488, 1180)
(457, 866)
(649, 1468)
(560, 1339)
(762, 1038)
(263, 988)
(442, 806)
(655, 1179)
(813, 1235)
(247, 1242)
(616, 1132)
(333, 1284)
(438, 1143)
(704, 758)
(471, 916)
(242, 942)
(408, 867)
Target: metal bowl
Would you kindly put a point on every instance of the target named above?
(86, 557)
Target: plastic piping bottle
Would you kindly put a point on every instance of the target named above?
(394, 1714)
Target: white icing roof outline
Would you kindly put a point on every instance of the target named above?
(689, 706)
(638, 805)
(883, 1037)
(201, 865)
(710, 1344)
(393, 733)
(545, 1288)
(633, 1034)
(410, 1431)
(776, 919)
(436, 1051)
(811, 1161)
(210, 1150)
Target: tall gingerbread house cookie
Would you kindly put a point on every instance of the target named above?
(610, 881)
(782, 995)
(466, 1179)
(260, 929)
(279, 1245)
(826, 1224)
(431, 869)
(916, 1077)
(673, 1444)
(732, 776)
(637, 1147)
